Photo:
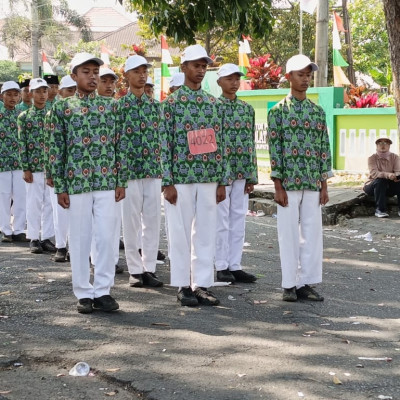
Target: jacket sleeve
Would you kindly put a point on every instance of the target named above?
(121, 148)
(166, 136)
(22, 138)
(253, 177)
(325, 157)
(275, 142)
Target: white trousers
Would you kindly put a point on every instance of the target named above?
(116, 237)
(92, 213)
(60, 219)
(191, 234)
(300, 239)
(142, 209)
(231, 221)
(12, 187)
(39, 212)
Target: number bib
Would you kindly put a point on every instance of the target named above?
(202, 141)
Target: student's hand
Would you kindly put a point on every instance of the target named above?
(392, 177)
(63, 200)
(248, 188)
(49, 182)
(119, 193)
(280, 197)
(170, 194)
(323, 196)
(221, 193)
(28, 177)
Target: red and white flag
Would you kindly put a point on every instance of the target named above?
(47, 70)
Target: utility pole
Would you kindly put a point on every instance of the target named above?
(347, 38)
(35, 39)
(321, 44)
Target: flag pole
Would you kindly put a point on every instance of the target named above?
(301, 33)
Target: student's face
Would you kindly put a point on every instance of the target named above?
(40, 96)
(229, 84)
(53, 91)
(11, 98)
(137, 77)
(194, 71)
(107, 84)
(86, 77)
(67, 92)
(26, 95)
(149, 90)
(382, 145)
(300, 80)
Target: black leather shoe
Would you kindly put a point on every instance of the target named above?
(242, 276)
(150, 279)
(85, 306)
(160, 256)
(105, 303)
(36, 247)
(119, 269)
(61, 255)
(136, 280)
(20, 237)
(205, 297)
(47, 245)
(225, 276)
(187, 297)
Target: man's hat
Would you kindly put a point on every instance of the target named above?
(51, 79)
(67, 82)
(83, 58)
(149, 81)
(24, 83)
(107, 71)
(177, 79)
(229, 69)
(135, 61)
(10, 85)
(383, 139)
(195, 52)
(299, 62)
(37, 83)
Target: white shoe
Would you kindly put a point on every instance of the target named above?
(381, 214)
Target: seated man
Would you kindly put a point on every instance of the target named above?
(384, 171)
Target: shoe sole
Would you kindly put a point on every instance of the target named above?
(153, 285)
(188, 303)
(136, 284)
(105, 309)
(289, 300)
(205, 302)
(85, 311)
(37, 251)
(59, 259)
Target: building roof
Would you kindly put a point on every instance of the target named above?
(105, 19)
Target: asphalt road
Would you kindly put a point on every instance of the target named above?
(253, 346)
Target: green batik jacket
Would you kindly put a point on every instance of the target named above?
(238, 119)
(31, 138)
(84, 154)
(10, 159)
(183, 111)
(299, 144)
(22, 107)
(140, 119)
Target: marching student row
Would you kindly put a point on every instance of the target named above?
(106, 162)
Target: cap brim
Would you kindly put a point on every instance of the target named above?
(231, 73)
(137, 66)
(208, 59)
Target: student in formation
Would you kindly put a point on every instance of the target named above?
(52, 81)
(140, 115)
(106, 87)
(238, 119)
(300, 166)
(12, 186)
(193, 163)
(149, 87)
(87, 170)
(26, 96)
(31, 132)
(177, 80)
(66, 89)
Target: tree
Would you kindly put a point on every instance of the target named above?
(9, 71)
(184, 20)
(392, 14)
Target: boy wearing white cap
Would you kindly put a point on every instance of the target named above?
(31, 131)
(149, 87)
(193, 163)
(88, 174)
(67, 87)
(300, 166)
(12, 186)
(177, 80)
(140, 118)
(107, 83)
(238, 120)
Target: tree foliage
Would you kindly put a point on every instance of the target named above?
(9, 71)
(184, 20)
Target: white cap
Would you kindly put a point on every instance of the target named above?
(66, 82)
(296, 63)
(37, 83)
(82, 58)
(134, 62)
(149, 81)
(229, 69)
(10, 85)
(177, 79)
(108, 71)
(195, 52)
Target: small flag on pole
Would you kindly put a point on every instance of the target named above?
(165, 73)
(244, 49)
(339, 76)
(47, 70)
(308, 6)
(105, 55)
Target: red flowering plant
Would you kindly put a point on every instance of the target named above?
(140, 50)
(358, 97)
(264, 73)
